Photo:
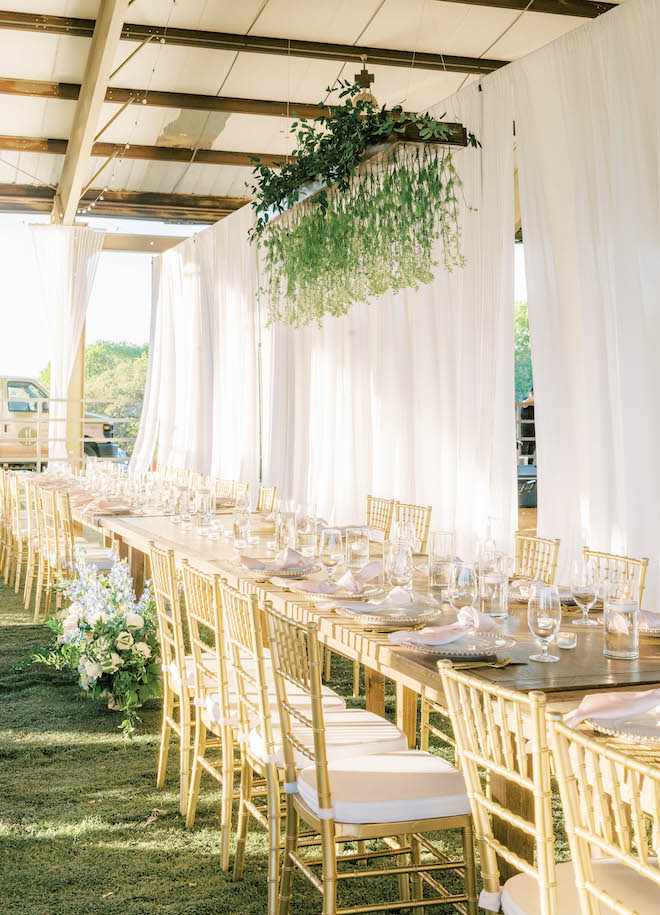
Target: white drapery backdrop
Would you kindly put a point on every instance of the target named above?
(201, 407)
(67, 258)
(588, 152)
(412, 396)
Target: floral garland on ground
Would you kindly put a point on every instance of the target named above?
(108, 638)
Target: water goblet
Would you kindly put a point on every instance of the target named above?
(543, 618)
(584, 589)
(463, 585)
(399, 563)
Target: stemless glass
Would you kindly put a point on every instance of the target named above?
(331, 551)
(463, 585)
(544, 618)
(621, 620)
(306, 530)
(399, 563)
(241, 527)
(442, 549)
(584, 589)
(357, 549)
(404, 530)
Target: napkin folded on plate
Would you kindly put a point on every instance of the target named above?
(613, 705)
(649, 620)
(287, 560)
(469, 622)
(105, 504)
(351, 581)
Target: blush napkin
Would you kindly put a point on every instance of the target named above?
(607, 706)
(469, 622)
(287, 560)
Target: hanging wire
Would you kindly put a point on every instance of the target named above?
(499, 38)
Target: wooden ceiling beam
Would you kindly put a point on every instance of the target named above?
(580, 9)
(137, 151)
(140, 244)
(256, 44)
(178, 208)
(105, 41)
(180, 100)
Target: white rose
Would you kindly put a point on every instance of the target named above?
(134, 621)
(142, 648)
(114, 663)
(98, 617)
(124, 640)
(70, 623)
(93, 669)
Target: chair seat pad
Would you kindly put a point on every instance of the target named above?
(348, 732)
(520, 895)
(212, 710)
(389, 788)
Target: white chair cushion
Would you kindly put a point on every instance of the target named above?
(389, 788)
(348, 732)
(520, 895)
(213, 713)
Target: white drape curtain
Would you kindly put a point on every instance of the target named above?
(588, 152)
(201, 401)
(67, 258)
(412, 396)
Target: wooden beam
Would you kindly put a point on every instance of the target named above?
(105, 40)
(136, 151)
(256, 44)
(140, 244)
(581, 9)
(181, 100)
(178, 208)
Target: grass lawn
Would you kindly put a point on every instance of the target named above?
(83, 829)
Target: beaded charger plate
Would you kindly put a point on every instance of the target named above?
(368, 592)
(386, 618)
(644, 633)
(637, 729)
(263, 574)
(481, 645)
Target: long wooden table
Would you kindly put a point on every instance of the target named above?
(579, 671)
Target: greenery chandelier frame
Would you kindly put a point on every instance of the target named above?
(368, 202)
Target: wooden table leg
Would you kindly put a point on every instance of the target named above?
(137, 563)
(406, 712)
(521, 802)
(374, 688)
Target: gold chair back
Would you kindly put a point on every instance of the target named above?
(535, 558)
(610, 565)
(419, 516)
(240, 490)
(50, 528)
(203, 607)
(380, 513)
(168, 613)
(66, 527)
(493, 727)
(266, 499)
(611, 805)
(224, 489)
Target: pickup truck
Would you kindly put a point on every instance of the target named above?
(24, 408)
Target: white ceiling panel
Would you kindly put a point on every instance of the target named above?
(35, 55)
(339, 22)
(532, 31)
(42, 169)
(35, 117)
(168, 67)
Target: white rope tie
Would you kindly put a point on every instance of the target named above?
(490, 901)
(291, 787)
(328, 814)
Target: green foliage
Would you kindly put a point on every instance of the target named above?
(375, 230)
(523, 353)
(114, 371)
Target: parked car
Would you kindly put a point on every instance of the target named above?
(24, 408)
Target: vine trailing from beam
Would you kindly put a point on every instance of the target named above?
(371, 225)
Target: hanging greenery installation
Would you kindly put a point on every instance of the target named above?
(358, 210)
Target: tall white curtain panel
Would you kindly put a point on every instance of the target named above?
(67, 259)
(201, 408)
(411, 396)
(588, 152)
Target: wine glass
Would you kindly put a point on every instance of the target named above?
(463, 585)
(584, 589)
(331, 551)
(543, 617)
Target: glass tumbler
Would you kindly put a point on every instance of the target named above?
(357, 549)
(621, 629)
(442, 547)
(399, 564)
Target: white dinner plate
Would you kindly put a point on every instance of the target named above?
(640, 728)
(480, 645)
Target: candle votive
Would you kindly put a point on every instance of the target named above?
(566, 639)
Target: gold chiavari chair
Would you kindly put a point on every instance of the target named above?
(240, 490)
(5, 525)
(177, 679)
(100, 558)
(504, 734)
(419, 516)
(51, 550)
(393, 798)
(214, 699)
(611, 566)
(535, 558)
(32, 527)
(266, 499)
(611, 805)
(349, 731)
(380, 513)
(18, 533)
(224, 489)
